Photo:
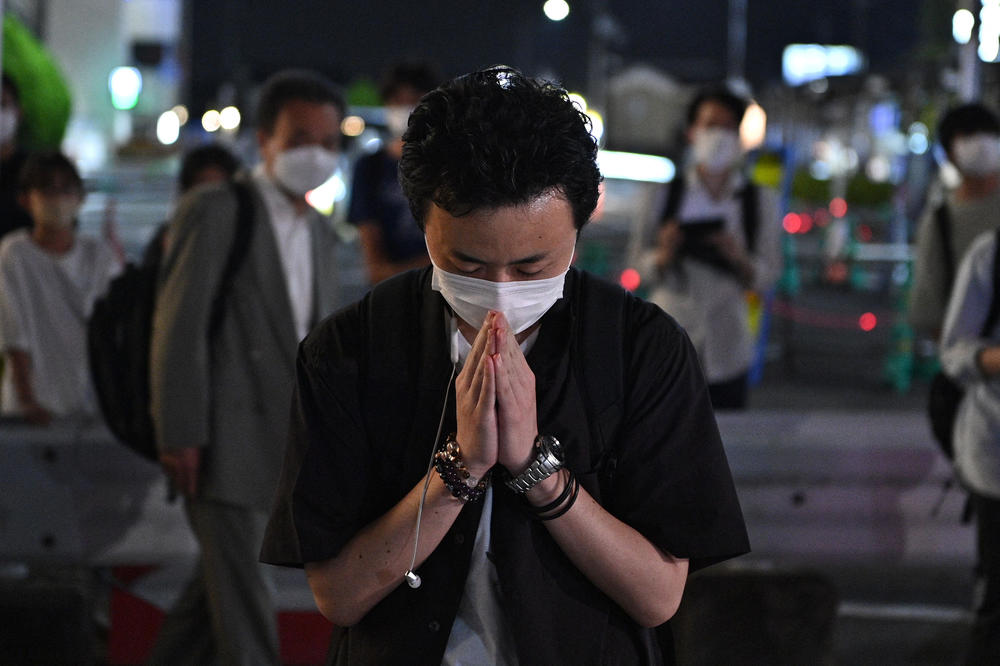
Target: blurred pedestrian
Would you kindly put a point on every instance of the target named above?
(220, 401)
(12, 157)
(50, 277)
(970, 136)
(719, 236)
(390, 238)
(204, 165)
(970, 353)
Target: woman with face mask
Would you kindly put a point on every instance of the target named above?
(718, 237)
(49, 280)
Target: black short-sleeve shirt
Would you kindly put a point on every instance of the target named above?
(617, 382)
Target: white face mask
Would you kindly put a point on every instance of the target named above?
(523, 302)
(716, 149)
(304, 168)
(977, 154)
(8, 124)
(396, 119)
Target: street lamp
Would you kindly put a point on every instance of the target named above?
(556, 10)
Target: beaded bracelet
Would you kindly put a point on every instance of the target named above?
(449, 465)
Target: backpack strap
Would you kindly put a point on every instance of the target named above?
(994, 311)
(942, 220)
(237, 253)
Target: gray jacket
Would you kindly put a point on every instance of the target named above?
(231, 394)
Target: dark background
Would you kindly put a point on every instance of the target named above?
(243, 41)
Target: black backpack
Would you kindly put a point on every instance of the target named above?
(119, 332)
(945, 395)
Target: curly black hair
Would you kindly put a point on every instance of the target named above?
(497, 138)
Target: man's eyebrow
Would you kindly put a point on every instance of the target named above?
(461, 256)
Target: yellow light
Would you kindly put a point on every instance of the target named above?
(211, 121)
(352, 126)
(181, 112)
(229, 118)
(753, 129)
(579, 100)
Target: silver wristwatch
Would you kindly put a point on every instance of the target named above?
(548, 461)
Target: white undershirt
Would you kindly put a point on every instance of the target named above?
(480, 635)
(293, 236)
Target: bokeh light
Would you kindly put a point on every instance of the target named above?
(962, 24)
(867, 321)
(229, 118)
(838, 207)
(125, 84)
(352, 126)
(168, 127)
(630, 279)
(556, 10)
(211, 120)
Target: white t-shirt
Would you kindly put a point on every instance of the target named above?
(710, 304)
(480, 635)
(45, 300)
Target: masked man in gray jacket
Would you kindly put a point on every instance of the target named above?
(223, 358)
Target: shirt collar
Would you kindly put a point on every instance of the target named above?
(277, 203)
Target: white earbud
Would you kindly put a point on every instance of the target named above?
(412, 579)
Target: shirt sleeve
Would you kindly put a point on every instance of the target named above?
(968, 306)
(672, 480)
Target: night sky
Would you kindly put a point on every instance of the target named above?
(245, 40)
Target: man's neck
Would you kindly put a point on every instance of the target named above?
(977, 187)
(53, 240)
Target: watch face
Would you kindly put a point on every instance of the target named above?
(552, 444)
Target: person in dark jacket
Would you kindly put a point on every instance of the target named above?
(498, 458)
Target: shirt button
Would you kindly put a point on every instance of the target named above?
(434, 626)
(459, 539)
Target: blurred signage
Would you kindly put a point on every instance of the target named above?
(802, 63)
